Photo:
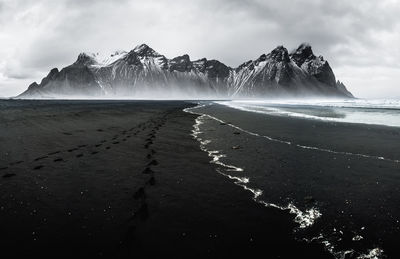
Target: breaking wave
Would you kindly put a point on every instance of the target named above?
(379, 112)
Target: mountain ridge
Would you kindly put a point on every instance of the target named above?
(143, 72)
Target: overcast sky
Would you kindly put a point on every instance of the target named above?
(360, 39)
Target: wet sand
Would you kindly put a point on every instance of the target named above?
(125, 178)
(349, 172)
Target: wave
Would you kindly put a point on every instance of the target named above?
(304, 218)
(291, 143)
(340, 103)
(379, 112)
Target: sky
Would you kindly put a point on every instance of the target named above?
(359, 38)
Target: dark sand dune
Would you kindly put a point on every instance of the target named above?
(119, 179)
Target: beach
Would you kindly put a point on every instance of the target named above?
(340, 180)
(126, 178)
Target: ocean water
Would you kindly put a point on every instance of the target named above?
(366, 111)
(354, 211)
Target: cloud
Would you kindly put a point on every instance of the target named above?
(353, 35)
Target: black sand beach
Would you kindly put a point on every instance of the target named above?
(348, 172)
(125, 178)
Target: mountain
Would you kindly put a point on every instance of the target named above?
(145, 73)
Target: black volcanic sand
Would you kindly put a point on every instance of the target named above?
(356, 195)
(124, 178)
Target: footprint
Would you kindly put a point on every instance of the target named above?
(8, 175)
(79, 155)
(72, 149)
(94, 152)
(67, 133)
(58, 160)
(153, 162)
(152, 181)
(38, 167)
(149, 156)
(17, 162)
(40, 158)
(148, 171)
(108, 147)
(53, 153)
(143, 212)
(139, 194)
(100, 130)
(116, 142)
(98, 145)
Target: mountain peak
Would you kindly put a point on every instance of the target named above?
(143, 69)
(183, 58)
(302, 53)
(85, 59)
(145, 50)
(141, 47)
(305, 47)
(181, 63)
(280, 53)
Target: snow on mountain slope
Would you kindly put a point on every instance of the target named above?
(145, 72)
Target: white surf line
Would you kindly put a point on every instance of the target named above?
(375, 253)
(288, 142)
(303, 218)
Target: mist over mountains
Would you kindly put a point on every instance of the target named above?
(145, 73)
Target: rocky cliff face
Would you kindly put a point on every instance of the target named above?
(144, 73)
(279, 73)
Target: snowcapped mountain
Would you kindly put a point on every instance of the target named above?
(145, 73)
(280, 73)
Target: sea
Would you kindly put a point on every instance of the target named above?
(346, 200)
(365, 111)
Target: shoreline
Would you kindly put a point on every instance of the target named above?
(316, 171)
(118, 179)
